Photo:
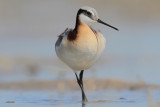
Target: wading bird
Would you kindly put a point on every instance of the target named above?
(80, 47)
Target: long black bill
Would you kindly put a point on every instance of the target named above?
(100, 21)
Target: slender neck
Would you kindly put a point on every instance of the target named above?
(73, 35)
(78, 20)
(77, 23)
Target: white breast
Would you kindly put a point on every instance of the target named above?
(82, 53)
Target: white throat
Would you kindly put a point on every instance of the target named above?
(86, 20)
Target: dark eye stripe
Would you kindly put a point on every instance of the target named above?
(88, 13)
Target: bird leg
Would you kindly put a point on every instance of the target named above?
(80, 82)
(81, 77)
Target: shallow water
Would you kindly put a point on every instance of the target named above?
(50, 98)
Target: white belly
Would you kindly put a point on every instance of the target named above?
(77, 59)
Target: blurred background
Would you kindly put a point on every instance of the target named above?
(29, 30)
(131, 60)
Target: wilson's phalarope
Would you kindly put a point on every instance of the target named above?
(80, 47)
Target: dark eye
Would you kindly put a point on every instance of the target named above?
(88, 13)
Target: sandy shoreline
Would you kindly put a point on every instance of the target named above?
(89, 84)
